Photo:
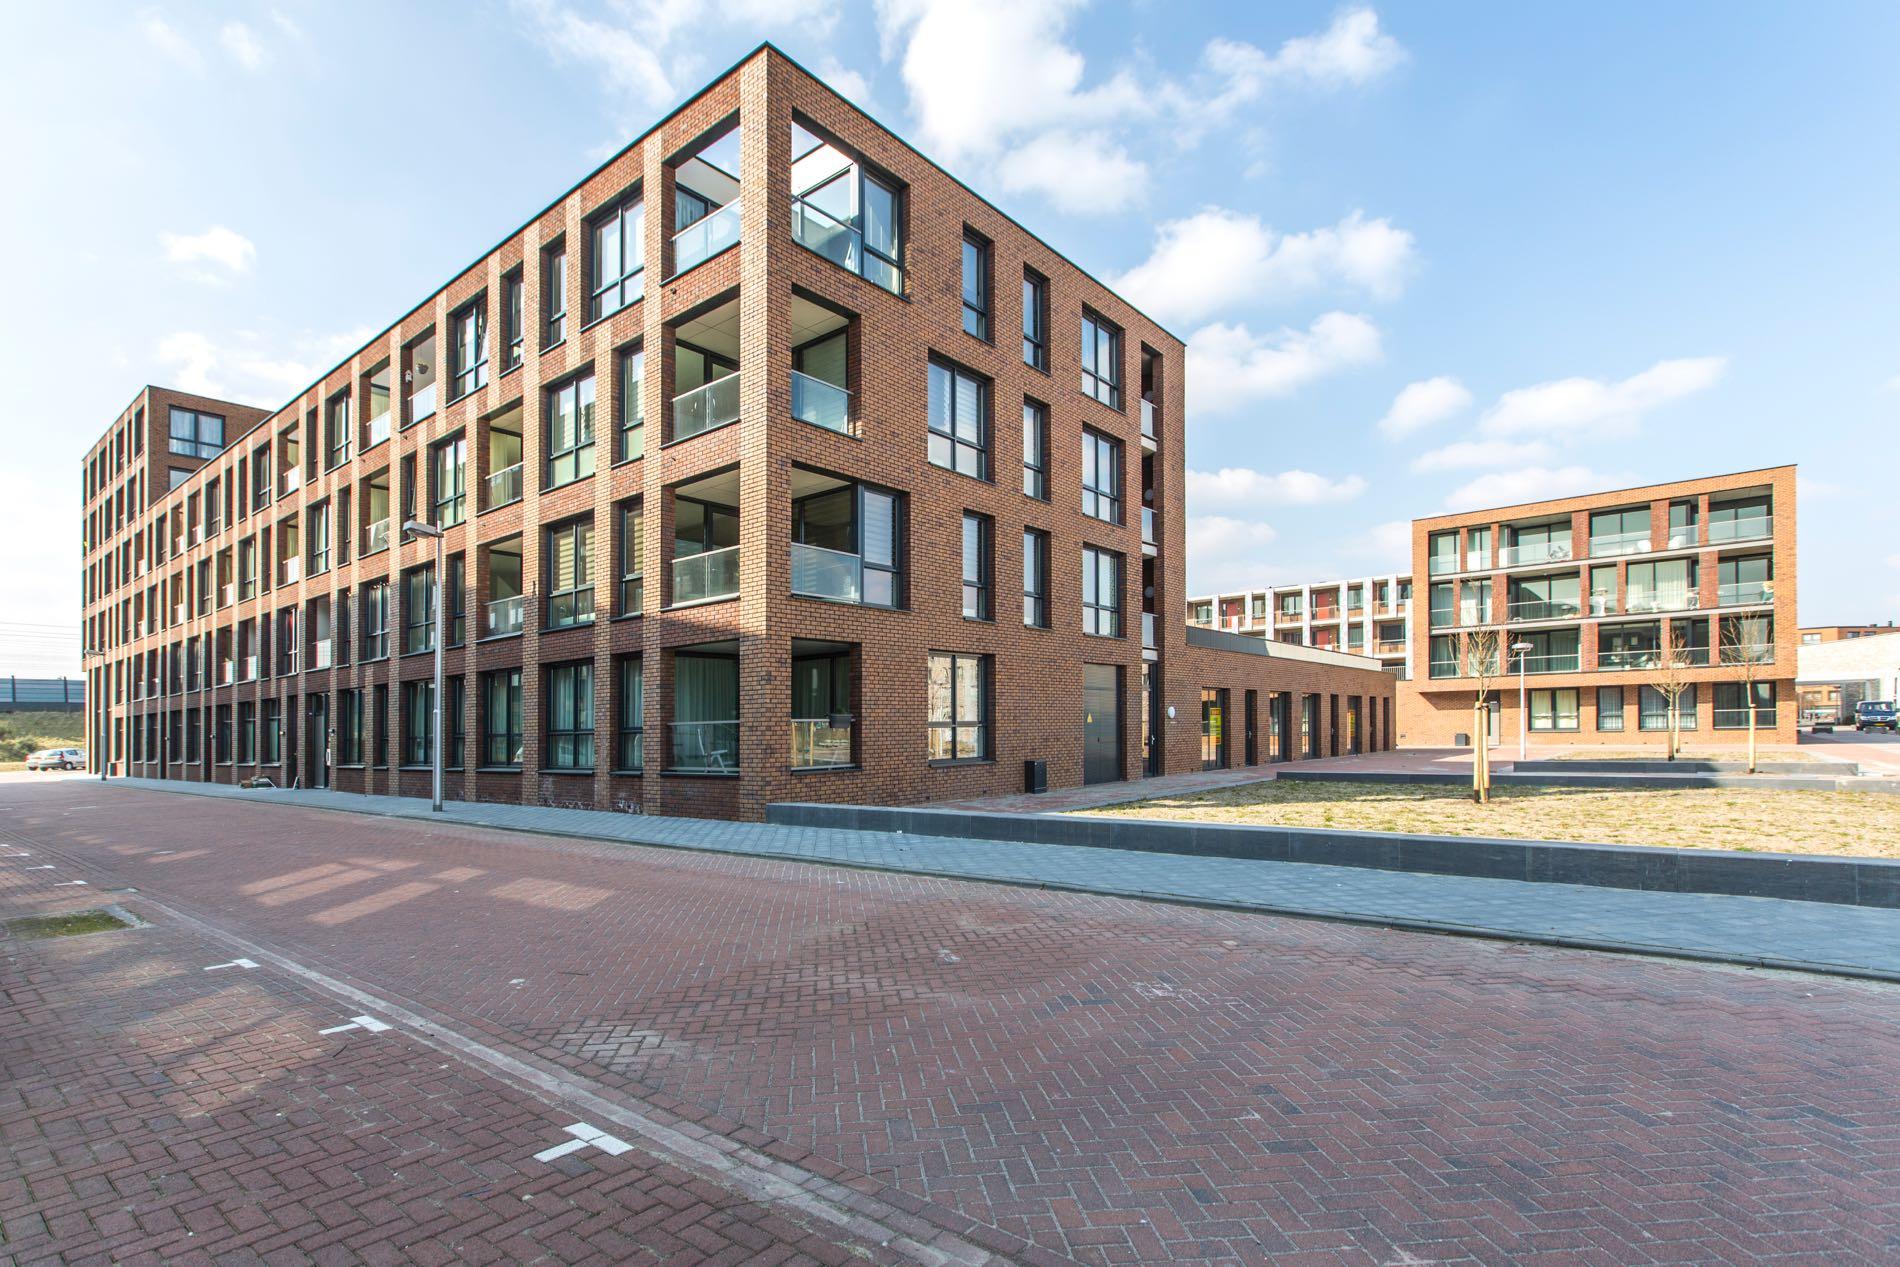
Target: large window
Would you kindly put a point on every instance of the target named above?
(844, 213)
(1731, 706)
(468, 349)
(1554, 709)
(845, 545)
(317, 543)
(976, 566)
(976, 285)
(959, 420)
(1035, 578)
(630, 749)
(1101, 476)
(959, 692)
(570, 409)
(195, 434)
(452, 703)
(1101, 592)
(1609, 708)
(349, 727)
(1036, 450)
(1035, 319)
(418, 722)
(336, 427)
(617, 258)
(1652, 712)
(373, 610)
(418, 609)
(705, 713)
(1101, 361)
(511, 335)
(633, 416)
(554, 295)
(571, 716)
(448, 471)
(632, 549)
(570, 574)
(501, 717)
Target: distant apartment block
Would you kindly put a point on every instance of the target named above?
(1370, 616)
(1608, 603)
(1812, 635)
(769, 463)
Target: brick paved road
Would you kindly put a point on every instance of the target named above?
(1109, 1080)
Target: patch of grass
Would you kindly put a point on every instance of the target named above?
(24, 733)
(70, 924)
(1860, 824)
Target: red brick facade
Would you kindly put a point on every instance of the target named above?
(1740, 525)
(768, 279)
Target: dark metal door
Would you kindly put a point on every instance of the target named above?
(1101, 724)
(316, 736)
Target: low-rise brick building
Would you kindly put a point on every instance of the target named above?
(769, 463)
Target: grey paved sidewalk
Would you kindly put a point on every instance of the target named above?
(1812, 936)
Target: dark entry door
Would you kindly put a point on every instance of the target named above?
(317, 745)
(1253, 728)
(1101, 723)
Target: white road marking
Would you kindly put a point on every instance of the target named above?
(369, 1023)
(44, 866)
(67, 883)
(585, 1136)
(235, 963)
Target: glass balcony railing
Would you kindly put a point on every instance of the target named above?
(698, 578)
(1147, 525)
(1148, 631)
(817, 744)
(1148, 418)
(322, 651)
(1556, 662)
(1745, 592)
(504, 486)
(1541, 552)
(571, 607)
(713, 405)
(706, 237)
(820, 403)
(247, 668)
(1682, 537)
(1543, 608)
(1439, 564)
(843, 245)
(376, 537)
(1651, 658)
(1671, 599)
(821, 573)
(1388, 647)
(1613, 544)
(227, 673)
(292, 571)
(1748, 653)
(421, 403)
(704, 747)
(378, 430)
(1744, 529)
(292, 479)
(503, 616)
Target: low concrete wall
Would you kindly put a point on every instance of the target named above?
(1588, 765)
(1509, 778)
(1801, 877)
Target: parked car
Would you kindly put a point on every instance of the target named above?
(1876, 714)
(57, 759)
(1820, 720)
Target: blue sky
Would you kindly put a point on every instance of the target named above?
(1426, 256)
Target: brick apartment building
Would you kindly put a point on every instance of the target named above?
(1369, 616)
(1588, 592)
(743, 453)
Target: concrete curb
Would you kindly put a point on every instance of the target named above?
(1792, 877)
(1587, 765)
(1768, 782)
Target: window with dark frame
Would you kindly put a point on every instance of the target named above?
(1101, 592)
(977, 566)
(553, 295)
(1101, 360)
(418, 722)
(570, 414)
(958, 687)
(570, 549)
(453, 757)
(570, 715)
(511, 314)
(1035, 578)
(958, 419)
(1101, 476)
(349, 727)
(455, 596)
(1035, 450)
(1609, 708)
(632, 408)
(468, 348)
(616, 258)
(1035, 320)
(448, 471)
(501, 717)
(630, 748)
(630, 549)
(976, 285)
(336, 428)
(418, 609)
(373, 607)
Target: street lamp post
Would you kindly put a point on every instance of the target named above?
(1523, 717)
(416, 528)
(97, 753)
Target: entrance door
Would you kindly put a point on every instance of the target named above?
(1353, 724)
(1213, 729)
(1253, 727)
(1101, 723)
(317, 749)
(1494, 710)
(1150, 721)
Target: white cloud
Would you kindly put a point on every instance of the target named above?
(1229, 366)
(846, 82)
(628, 63)
(1389, 542)
(1217, 258)
(225, 248)
(243, 46)
(1893, 384)
(1893, 560)
(1227, 553)
(1466, 454)
(1528, 484)
(162, 36)
(1238, 488)
(1352, 52)
(1419, 405)
(1573, 406)
(1082, 173)
(239, 369)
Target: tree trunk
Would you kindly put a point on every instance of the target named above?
(1675, 721)
(1750, 701)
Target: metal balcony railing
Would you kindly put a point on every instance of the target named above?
(503, 616)
(706, 237)
(712, 405)
(819, 573)
(698, 578)
(1748, 653)
(818, 744)
(820, 403)
(704, 747)
(504, 486)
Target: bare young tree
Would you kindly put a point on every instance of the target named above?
(1480, 661)
(1673, 660)
(1746, 648)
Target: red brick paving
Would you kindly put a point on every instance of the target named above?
(1110, 1080)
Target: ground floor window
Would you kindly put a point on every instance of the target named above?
(349, 727)
(1609, 708)
(1653, 710)
(453, 702)
(571, 716)
(1554, 709)
(705, 712)
(273, 733)
(501, 718)
(418, 723)
(959, 692)
(1213, 729)
(821, 710)
(630, 750)
(1731, 707)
